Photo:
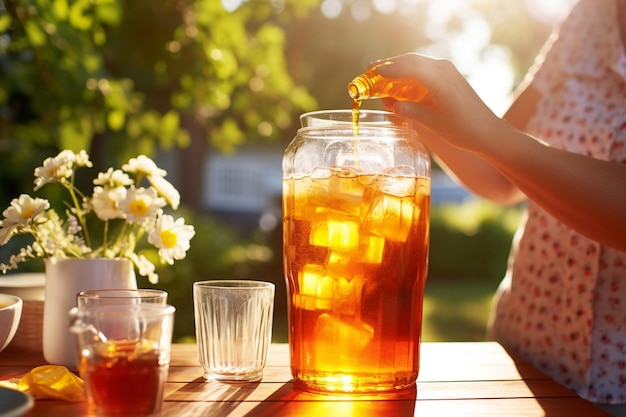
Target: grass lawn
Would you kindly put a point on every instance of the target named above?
(456, 310)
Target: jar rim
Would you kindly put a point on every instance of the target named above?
(339, 117)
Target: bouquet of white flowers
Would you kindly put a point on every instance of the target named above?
(119, 206)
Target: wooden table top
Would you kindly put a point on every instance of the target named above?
(456, 379)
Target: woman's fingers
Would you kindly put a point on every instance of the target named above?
(425, 70)
(451, 107)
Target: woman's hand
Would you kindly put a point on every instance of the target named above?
(451, 108)
(447, 123)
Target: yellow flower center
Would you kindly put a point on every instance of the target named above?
(168, 238)
(26, 214)
(138, 207)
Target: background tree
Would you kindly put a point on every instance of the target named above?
(118, 78)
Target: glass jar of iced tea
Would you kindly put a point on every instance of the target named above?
(356, 203)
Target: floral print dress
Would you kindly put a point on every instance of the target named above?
(562, 304)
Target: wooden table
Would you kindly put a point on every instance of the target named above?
(456, 379)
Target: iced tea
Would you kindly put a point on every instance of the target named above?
(355, 252)
(123, 378)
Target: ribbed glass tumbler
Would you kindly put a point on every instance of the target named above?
(233, 321)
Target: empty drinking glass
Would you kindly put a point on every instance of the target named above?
(233, 321)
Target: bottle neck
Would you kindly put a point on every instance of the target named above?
(360, 88)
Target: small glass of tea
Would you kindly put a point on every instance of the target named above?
(124, 355)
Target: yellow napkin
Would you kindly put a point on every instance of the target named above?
(50, 381)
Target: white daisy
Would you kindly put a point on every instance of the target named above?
(171, 238)
(23, 210)
(82, 159)
(52, 170)
(5, 234)
(165, 190)
(145, 267)
(142, 165)
(105, 202)
(113, 178)
(141, 204)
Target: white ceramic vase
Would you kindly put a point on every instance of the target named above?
(65, 278)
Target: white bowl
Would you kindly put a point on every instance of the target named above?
(28, 286)
(10, 314)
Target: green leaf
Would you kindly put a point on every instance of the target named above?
(60, 9)
(116, 119)
(36, 36)
(99, 36)
(75, 134)
(170, 123)
(5, 22)
(150, 121)
(228, 135)
(79, 16)
(108, 11)
(183, 139)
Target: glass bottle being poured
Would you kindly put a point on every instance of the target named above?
(371, 84)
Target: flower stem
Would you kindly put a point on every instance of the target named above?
(69, 185)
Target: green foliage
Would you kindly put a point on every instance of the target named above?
(471, 240)
(456, 310)
(469, 249)
(140, 76)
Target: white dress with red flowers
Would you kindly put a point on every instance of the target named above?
(562, 304)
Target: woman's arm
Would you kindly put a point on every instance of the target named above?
(469, 169)
(585, 193)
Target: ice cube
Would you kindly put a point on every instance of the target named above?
(371, 249)
(309, 279)
(345, 192)
(339, 343)
(321, 172)
(319, 234)
(340, 265)
(106, 349)
(422, 189)
(391, 217)
(316, 288)
(346, 172)
(339, 235)
(398, 186)
(400, 171)
(341, 193)
(346, 299)
(146, 347)
(300, 191)
(345, 265)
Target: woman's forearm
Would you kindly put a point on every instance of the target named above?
(587, 194)
(472, 171)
